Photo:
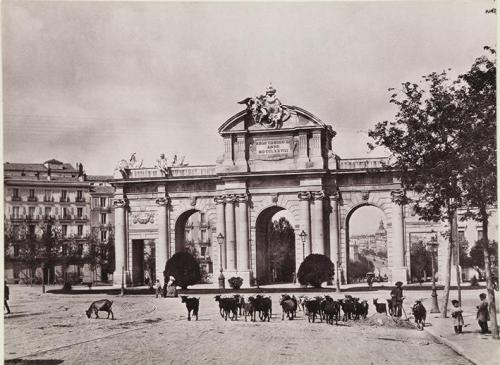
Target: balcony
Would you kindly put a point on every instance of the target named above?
(80, 199)
(48, 199)
(16, 198)
(64, 199)
(81, 218)
(16, 217)
(32, 199)
(67, 217)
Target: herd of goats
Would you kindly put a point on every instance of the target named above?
(321, 307)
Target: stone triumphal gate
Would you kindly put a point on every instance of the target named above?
(276, 157)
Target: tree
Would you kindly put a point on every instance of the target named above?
(281, 254)
(478, 147)
(422, 141)
(358, 269)
(421, 260)
(184, 268)
(93, 253)
(315, 269)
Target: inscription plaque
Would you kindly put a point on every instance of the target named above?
(273, 148)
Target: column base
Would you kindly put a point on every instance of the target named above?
(245, 275)
(117, 279)
(398, 274)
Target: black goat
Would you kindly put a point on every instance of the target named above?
(380, 307)
(289, 306)
(263, 305)
(227, 307)
(420, 314)
(192, 304)
(312, 307)
(103, 305)
(331, 309)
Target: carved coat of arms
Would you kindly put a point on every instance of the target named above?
(267, 109)
(143, 218)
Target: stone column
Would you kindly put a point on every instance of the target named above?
(398, 269)
(230, 234)
(120, 242)
(318, 237)
(334, 236)
(161, 247)
(242, 233)
(305, 213)
(221, 228)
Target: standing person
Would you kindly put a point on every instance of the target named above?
(6, 297)
(158, 288)
(397, 299)
(456, 314)
(483, 315)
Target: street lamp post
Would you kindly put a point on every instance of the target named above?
(303, 236)
(122, 292)
(432, 247)
(222, 279)
(43, 277)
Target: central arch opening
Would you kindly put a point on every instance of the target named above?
(275, 244)
(366, 248)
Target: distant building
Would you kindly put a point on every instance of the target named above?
(197, 233)
(39, 193)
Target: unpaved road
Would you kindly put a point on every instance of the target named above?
(54, 329)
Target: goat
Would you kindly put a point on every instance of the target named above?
(361, 309)
(103, 305)
(241, 303)
(331, 308)
(380, 307)
(248, 310)
(420, 314)
(192, 304)
(347, 305)
(302, 300)
(263, 305)
(312, 306)
(227, 306)
(289, 306)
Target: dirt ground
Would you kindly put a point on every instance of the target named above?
(53, 329)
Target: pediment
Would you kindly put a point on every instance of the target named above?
(297, 118)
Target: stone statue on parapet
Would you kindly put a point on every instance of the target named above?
(124, 166)
(267, 110)
(162, 164)
(179, 162)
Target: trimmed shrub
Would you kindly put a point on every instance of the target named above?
(235, 282)
(184, 268)
(315, 269)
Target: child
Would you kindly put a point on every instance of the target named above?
(458, 319)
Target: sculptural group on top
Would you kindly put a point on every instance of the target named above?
(162, 164)
(267, 110)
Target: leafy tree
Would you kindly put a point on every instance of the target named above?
(315, 269)
(476, 255)
(422, 141)
(184, 268)
(281, 253)
(478, 152)
(421, 260)
(358, 269)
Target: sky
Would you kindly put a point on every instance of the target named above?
(92, 82)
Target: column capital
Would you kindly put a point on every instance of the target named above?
(335, 196)
(318, 195)
(119, 203)
(304, 195)
(231, 198)
(397, 195)
(163, 201)
(242, 198)
(220, 199)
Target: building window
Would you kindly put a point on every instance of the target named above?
(65, 230)
(64, 195)
(48, 212)
(15, 194)
(204, 235)
(203, 218)
(65, 213)
(203, 251)
(32, 193)
(32, 231)
(461, 236)
(47, 196)
(103, 218)
(80, 250)
(31, 212)
(79, 212)
(15, 212)
(80, 230)
(79, 195)
(103, 202)
(479, 234)
(104, 236)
